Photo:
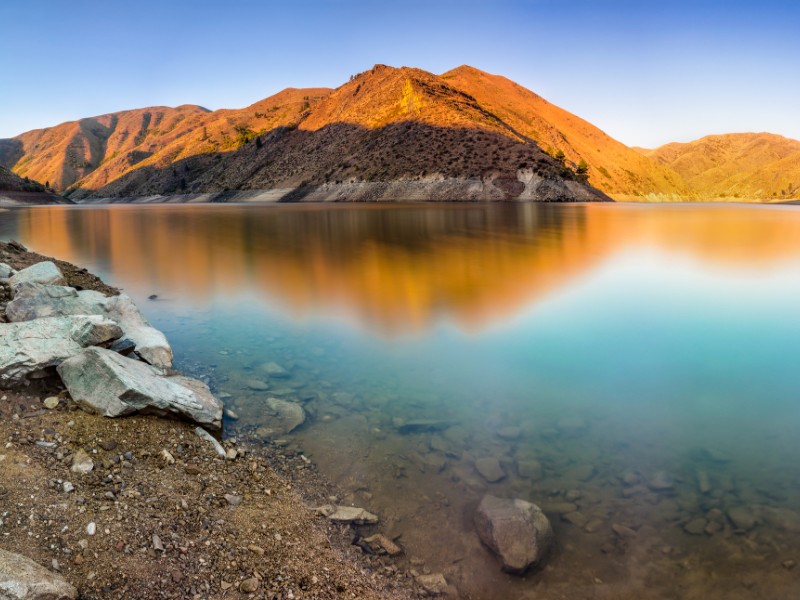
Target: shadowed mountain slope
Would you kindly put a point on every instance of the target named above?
(613, 167)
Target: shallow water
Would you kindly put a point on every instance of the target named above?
(586, 348)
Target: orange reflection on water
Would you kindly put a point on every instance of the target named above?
(395, 269)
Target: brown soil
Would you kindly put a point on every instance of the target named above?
(187, 525)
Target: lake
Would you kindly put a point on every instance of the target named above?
(633, 369)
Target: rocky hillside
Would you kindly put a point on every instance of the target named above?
(613, 167)
(738, 165)
(17, 190)
(386, 133)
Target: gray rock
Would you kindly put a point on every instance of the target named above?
(82, 463)
(660, 482)
(116, 386)
(284, 416)
(381, 543)
(30, 347)
(45, 273)
(784, 519)
(37, 301)
(742, 518)
(490, 469)
(509, 433)
(434, 584)
(529, 469)
(348, 514)
(275, 371)
(257, 385)
(6, 271)
(516, 530)
(696, 526)
(202, 433)
(23, 579)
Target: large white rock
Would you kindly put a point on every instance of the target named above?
(6, 271)
(37, 301)
(45, 273)
(31, 346)
(516, 530)
(114, 386)
(23, 579)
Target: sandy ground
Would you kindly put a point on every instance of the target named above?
(161, 515)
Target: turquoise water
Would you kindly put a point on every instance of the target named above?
(591, 350)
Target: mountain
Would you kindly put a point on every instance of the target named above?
(738, 165)
(387, 133)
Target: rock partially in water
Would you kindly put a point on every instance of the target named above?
(6, 271)
(115, 386)
(32, 346)
(37, 301)
(44, 273)
(434, 584)
(381, 543)
(516, 530)
(490, 469)
(23, 579)
(348, 514)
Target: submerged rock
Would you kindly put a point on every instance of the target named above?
(661, 481)
(348, 514)
(23, 579)
(44, 273)
(284, 416)
(114, 386)
(275, 371)
(490, 469)
(37, 301)
(516, 530)
(32, 346)
(423, 425)
(742, 518)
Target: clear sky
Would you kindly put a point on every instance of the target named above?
(645, 71)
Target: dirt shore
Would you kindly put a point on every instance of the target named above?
(162, 515)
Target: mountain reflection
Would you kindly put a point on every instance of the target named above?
(394, 269)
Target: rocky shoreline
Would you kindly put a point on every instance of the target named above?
(147, 507)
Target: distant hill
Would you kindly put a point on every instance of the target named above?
(736, 165)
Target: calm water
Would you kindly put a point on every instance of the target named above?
(590, 349)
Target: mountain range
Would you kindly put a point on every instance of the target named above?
(393, 133)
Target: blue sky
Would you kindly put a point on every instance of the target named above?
(647, 72)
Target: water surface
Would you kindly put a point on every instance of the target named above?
(590, 349)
